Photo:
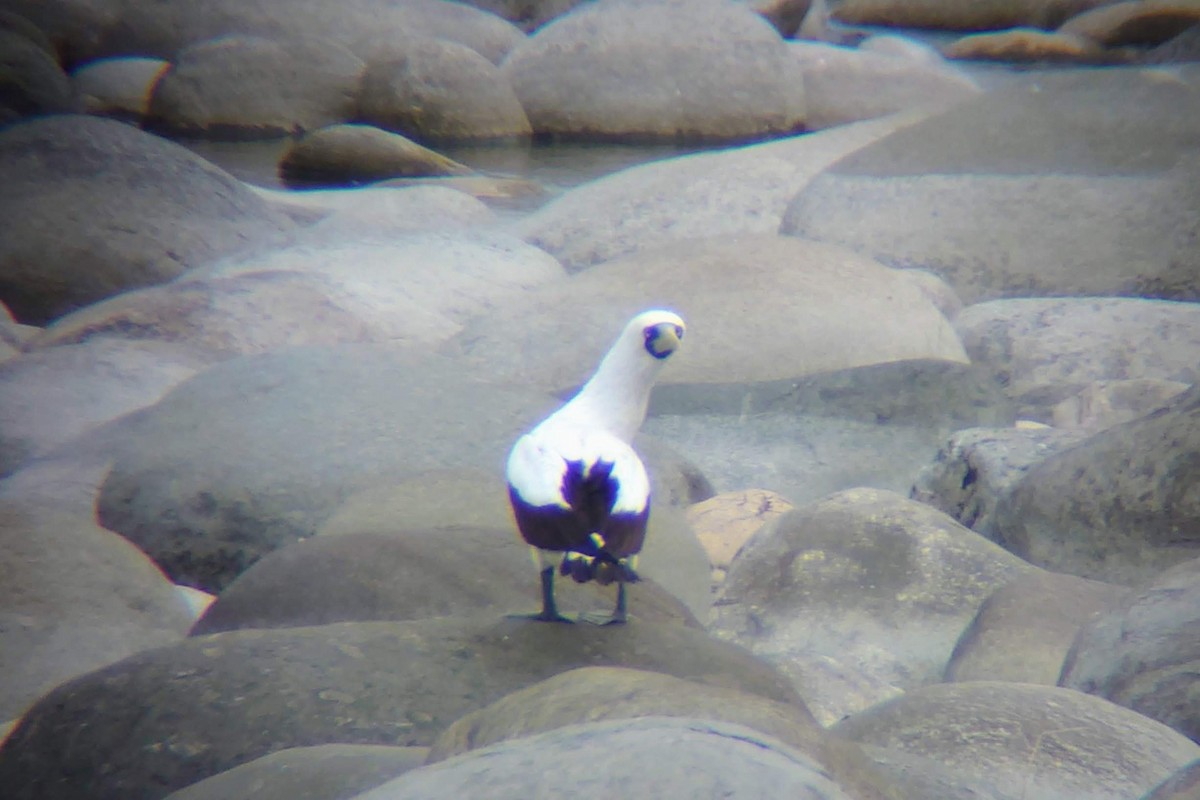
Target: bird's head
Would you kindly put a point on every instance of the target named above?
(661, 332)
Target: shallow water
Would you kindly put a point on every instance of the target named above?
(556, 167)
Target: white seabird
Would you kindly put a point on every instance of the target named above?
(577, 487)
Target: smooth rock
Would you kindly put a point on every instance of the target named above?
(1023, 630)
(666, 70)
(1022, 45)
(978, 467)
(74, 598)
(1102, 404)
(251, 87)
(595, 694)
(969, 192)
(1011, 741)
(470, 504)
(728, 192)
(349, 154)
(1184, 784)
(875, 426)
(1183, 49)
(865, 576)
(52, 395)
(951, 15)
(1142, 653)
(759, 308)
(104, 207)
(413, 574)
(206, 492)
(440, 91)
(646, 758)
(1045, 350)
(243, 314)
(843, 84)
(321, 772)
(210, 703)
(336, 283)
(368, 28)
(119, 87)
(1143, 23)
(31, 81)
(1119, 507)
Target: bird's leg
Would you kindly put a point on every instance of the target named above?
(549, 611)
(619, 616)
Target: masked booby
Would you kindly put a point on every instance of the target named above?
(577, 487)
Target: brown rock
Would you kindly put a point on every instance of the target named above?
(350, 154)
(1027, 44)
(1134, 22)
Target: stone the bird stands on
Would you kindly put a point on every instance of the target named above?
(577, 487)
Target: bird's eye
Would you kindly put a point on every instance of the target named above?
(678, 332)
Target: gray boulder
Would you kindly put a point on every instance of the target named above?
(977, 467)
(844, 84)
(759, 308)
(1045, 350)
(657, 71)
(741, 190)
(441, 91)
(865, 576)
(806, 437)
(410, 574)
(251, 87)
(206, 492)
(102, 207)
(1076, 183)
(1013, 741)
(647, 758)
(349, 280)
(1120, 506)
(74, 598)
(51, 395)
(31, 81)
(368, 28)
(320, 772)
(1143, 652)
(1024, 629)
(118, 87)
(210, 703)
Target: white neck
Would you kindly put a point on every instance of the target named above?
(616, 396)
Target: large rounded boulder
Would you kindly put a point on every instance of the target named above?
(100, 207)
(665, 70)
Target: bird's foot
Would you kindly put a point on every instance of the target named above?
(601, 618)
(542, 616)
